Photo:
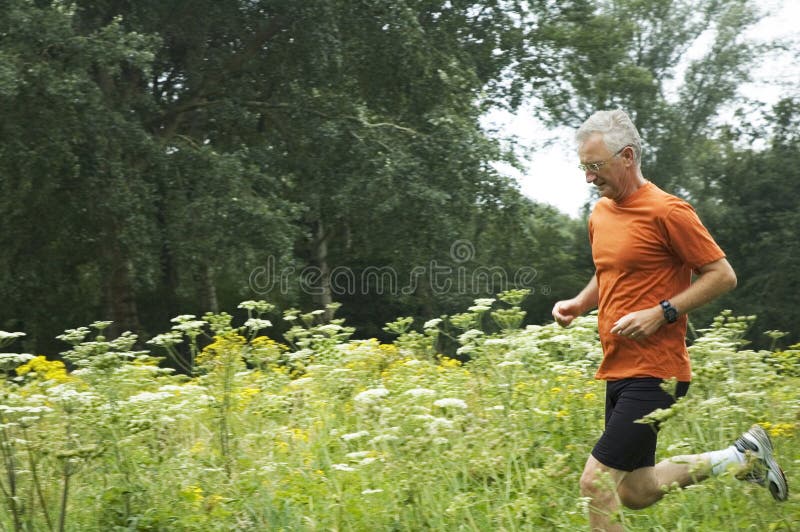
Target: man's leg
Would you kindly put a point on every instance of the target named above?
(647, 485)
(599, 483)
(607, 487)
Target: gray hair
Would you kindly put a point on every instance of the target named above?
(617, 130)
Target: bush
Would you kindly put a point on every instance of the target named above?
(321, 432)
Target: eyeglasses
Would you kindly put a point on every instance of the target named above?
(595, 167)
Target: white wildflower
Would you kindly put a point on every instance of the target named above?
(299, 355)
(381, 438)
(189, 327)
(9, 336)
(14, 359)
(440, 441)
(74, 336)
(419, 392)
(318, 312)
(342, 467)
(485, 302)
(507, 363)
(368, 460)
(371, 491)
(259, 306)
(166, 339)
(439, 423)
(183, 318)
(357, 455)
(149, 397)
(496, 341)
(355, 435)
(27, 421)
(496, 407)
(330, 328)
(430, 324)
(370, 396)
(450, 402)
(478, 308)
(147, 369)
(257, 323)
(24, 409)
(470, 335)
(302, 381)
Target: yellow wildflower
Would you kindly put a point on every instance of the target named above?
(192, 494)
(42, 369)
(446, 362)
(198, 447)
(782, 429)
(299, 434)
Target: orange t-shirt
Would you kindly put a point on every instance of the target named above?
(645, 249)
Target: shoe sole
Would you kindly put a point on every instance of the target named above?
(775, 478)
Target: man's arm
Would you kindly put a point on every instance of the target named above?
(713, 280)
(567, 310)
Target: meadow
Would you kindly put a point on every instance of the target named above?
(316, 431)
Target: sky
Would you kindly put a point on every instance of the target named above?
(551, 174)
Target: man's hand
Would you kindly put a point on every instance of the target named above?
(566, 311)
(640, 324)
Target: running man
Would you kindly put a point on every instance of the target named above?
(645, 245)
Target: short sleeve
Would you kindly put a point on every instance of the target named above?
(688, 237)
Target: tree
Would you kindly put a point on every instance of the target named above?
(173, 148)
(756, 217)
(633, 55)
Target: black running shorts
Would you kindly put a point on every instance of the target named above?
(626, 445)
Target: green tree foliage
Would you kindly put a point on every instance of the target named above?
(756, 216)
(76, 200)
(107, 200)
(157, 153)
(634, 54)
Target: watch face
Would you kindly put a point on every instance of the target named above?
(670, 312)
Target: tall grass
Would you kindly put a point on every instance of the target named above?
(320, 432)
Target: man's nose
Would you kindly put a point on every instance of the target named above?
(590, 176)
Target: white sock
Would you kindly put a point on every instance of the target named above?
(724, 458)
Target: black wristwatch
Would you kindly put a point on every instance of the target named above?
(670, 312)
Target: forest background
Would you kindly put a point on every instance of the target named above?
(169, 157)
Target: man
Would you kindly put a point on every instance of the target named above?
(646, 244)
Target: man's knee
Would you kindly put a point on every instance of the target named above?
(588, 483)
(597, 483)
(632, 499)
(639, 489)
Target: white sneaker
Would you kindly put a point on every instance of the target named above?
(765, 471)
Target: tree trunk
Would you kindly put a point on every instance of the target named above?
(321, 292)
(120, 297)
(169, 283)
(209, 290)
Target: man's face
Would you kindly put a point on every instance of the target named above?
(610, 177)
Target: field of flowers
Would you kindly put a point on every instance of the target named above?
(315, 431)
